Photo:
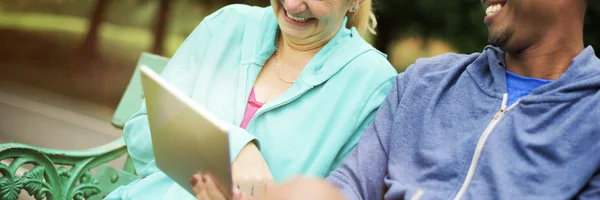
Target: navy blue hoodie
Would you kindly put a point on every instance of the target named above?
(445, 132)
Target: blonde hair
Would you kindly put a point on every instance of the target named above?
(364, 20)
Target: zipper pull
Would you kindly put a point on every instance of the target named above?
(499, 113)
(503, 107)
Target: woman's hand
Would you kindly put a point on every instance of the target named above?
(206, 188)
(250, 172)
(301, 188)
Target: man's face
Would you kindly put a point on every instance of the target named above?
(515, 24)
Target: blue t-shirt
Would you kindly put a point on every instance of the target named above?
(520, 86)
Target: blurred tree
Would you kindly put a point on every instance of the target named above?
(458, 22)
(91, 41)
(160, 27)
(162, 17)
(89, 47)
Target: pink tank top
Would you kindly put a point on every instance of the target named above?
(251, 109)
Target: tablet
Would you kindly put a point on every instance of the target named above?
(186, 137)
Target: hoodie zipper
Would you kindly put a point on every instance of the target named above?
(417, 195)
(480, 145)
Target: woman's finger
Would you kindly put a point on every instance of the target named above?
(196, 184)
(202, 196)
(213, 189)
(237, 194)
(201, 187)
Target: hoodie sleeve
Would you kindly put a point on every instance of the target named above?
(181, 72)
(364, 119)
(361, 174)
(592, 189)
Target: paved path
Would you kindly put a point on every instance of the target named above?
(45, 119)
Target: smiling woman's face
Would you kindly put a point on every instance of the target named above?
(310, 20)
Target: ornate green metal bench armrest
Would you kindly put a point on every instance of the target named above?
(46, 180)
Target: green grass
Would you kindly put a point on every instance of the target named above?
(137, 37)
(37, 50)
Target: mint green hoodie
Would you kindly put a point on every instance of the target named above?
(307, 130)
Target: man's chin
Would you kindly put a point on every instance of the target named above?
(499, 37)
(496, 43)
(499, 40)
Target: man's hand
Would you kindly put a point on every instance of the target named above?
(250, 172)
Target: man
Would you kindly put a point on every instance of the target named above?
(521, 120)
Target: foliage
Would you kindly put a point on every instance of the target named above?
(10, 189)
(458, 22)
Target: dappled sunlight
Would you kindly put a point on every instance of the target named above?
(406, 51)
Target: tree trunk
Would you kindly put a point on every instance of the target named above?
(89, 48)
(160, 27)
(86, 64)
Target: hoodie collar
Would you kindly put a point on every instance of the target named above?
(488, 71)
(260, 44)
(581, 78)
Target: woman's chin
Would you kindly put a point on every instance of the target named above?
(294, 33)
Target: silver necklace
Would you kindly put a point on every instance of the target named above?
(277, 66)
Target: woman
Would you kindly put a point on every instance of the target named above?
(296, 81)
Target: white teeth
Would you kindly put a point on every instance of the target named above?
(298, 19)
(493, 9)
